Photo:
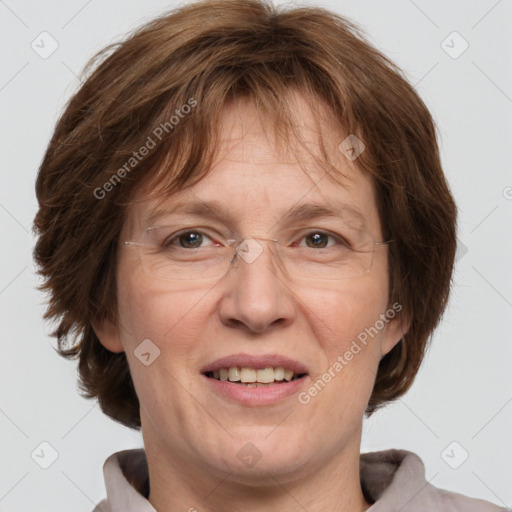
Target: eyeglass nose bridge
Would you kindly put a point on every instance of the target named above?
(248, 248)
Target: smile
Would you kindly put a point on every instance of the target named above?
(253, 377)
(255, 380)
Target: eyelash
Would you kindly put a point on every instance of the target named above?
(172, 238)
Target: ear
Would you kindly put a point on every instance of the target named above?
(108, 334)
(394, 332)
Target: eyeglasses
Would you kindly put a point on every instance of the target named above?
(181, 255)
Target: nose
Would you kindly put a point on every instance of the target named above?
(256, 297)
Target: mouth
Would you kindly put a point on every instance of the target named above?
(255, 377)
(255, 380)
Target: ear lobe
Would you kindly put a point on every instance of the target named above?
(394, 332)
(108, 334)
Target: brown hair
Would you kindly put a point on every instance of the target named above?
(204, 55)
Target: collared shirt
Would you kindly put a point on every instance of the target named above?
(393, 480)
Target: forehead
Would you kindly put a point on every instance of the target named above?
(258, 178)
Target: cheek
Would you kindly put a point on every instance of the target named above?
(173, 321)
(343, 320)
(340, 313)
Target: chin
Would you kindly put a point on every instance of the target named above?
(259, 455)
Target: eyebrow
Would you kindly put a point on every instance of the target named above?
(301, 212)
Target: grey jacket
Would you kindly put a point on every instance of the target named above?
(393, 480)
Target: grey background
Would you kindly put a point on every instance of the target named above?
(463, 392)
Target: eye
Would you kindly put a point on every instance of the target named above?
(191, 239)
(320, 240)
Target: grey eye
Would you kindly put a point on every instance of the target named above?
(190, 239)
(186, 240)
(317, 240)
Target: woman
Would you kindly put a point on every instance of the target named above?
(245, 230)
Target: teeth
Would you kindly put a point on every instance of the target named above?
(248, 375)
(252, 377)
(233, 374)
(266, 375)
(279, 373)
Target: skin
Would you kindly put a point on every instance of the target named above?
(309, 452)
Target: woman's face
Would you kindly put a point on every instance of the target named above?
(256, 316)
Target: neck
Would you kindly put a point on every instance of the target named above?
(177, 483)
